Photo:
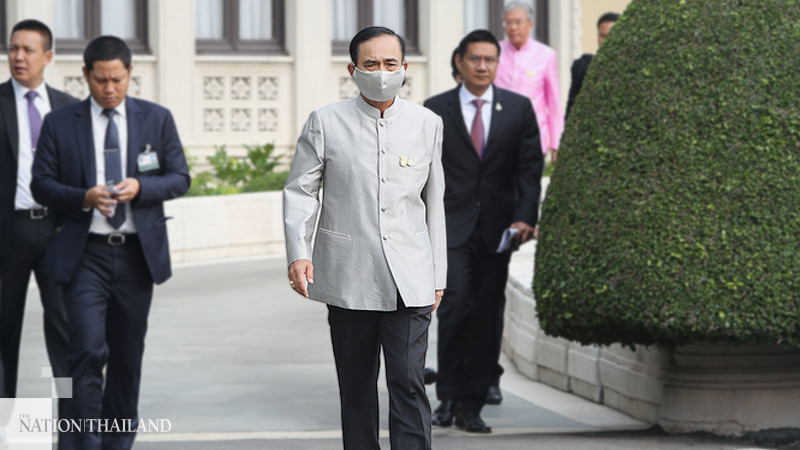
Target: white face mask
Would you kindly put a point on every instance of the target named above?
(379, 85)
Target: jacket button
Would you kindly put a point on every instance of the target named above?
(386, 238)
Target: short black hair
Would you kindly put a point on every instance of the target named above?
(453, 65)
(106, 48)
(41, 28)
(371, 33)
(608, 17)
(476, 36)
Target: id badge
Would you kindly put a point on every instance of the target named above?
(148, 160)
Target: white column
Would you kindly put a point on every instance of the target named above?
(43, 10)
(171, 36)
(441, 29)
(565, 31)
(308, 39)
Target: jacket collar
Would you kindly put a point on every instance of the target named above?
(374, 112)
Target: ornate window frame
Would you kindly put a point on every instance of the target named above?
(92, 19)
(365, 15)
(231, 41)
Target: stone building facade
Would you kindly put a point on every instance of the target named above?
(237, 72)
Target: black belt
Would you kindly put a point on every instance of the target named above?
(33, 214)
(114, 238)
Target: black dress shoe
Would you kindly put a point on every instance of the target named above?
(430, 375)
(494, 396)
(471, 422)
(443, 416)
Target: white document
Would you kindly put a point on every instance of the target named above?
(508, 240)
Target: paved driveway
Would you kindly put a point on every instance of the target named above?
(236, 360)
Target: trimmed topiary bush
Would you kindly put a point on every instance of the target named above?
(673, 215)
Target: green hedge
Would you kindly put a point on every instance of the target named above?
(673, 213)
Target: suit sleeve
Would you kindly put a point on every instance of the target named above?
(552, 94)
(175, 180)
(46, 188)
(575, 88)
(579, 69)
(433, 196)
(529, 169)
(301, 202)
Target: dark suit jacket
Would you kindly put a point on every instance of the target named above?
(64, 168)
(9, 153)
(579, 69)
(501, 188)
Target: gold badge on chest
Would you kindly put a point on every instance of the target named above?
(405, 161)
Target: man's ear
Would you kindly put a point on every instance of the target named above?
(352, 68)
(86, 74)
(459, 60)
(405, 66)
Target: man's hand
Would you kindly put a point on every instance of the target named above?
(526, 232)
(129, 189)
(536, 233)
(555, 155)
(300, 271)
(439, 295)
(99, 197)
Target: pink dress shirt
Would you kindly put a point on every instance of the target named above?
(532, 71)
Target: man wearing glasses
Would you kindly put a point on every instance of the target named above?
(530, 68)
(492, 161)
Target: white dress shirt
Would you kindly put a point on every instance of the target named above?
(100, 223)
(24, 199)
(468, 109)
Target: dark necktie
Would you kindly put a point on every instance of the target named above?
(113, 161)
(34, 119)
(478, 133)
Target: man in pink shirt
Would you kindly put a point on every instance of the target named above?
(530, 68)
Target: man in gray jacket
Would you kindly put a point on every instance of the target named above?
(380, 252)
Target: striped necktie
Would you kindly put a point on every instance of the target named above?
(113, 162)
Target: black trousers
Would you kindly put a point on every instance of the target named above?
(470, 321)
(25, 256)
(2, 377)
(357, 339)
(108, 301)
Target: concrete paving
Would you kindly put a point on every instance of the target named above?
(236, 360)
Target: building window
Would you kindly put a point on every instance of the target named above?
(79, 21)
(488, 15)
(239, 25)
(350, 16)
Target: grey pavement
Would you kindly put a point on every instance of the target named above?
(236, 360)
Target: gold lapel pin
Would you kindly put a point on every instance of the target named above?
(412, 162)
(403, 161)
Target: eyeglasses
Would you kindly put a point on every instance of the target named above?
(476, 60)
(514, 23)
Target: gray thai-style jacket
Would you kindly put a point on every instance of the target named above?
(381, 228)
